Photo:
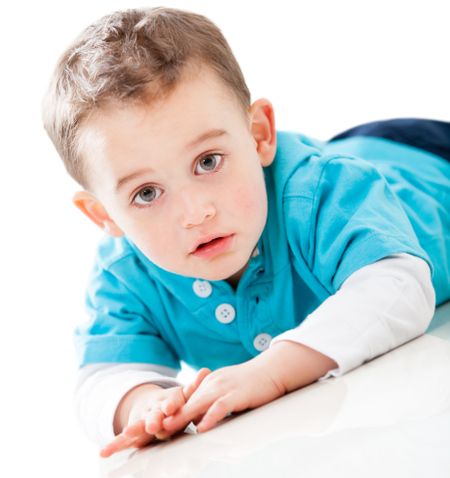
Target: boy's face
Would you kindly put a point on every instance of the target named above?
(173, 173)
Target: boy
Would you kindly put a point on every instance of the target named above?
(265, 259)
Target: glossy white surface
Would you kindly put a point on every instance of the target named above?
(390, 418)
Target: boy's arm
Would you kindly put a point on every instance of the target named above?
(101, 387)
(120, 342)
(378, 308)
(293, 365)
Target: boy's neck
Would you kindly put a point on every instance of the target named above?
(234, 279)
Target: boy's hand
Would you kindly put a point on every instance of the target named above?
(229, 389)
(150, 404)
(284, 367)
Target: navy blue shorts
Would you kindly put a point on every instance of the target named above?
(430, 135)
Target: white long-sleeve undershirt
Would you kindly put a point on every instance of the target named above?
(378, 308)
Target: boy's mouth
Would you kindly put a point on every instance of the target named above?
(208, 243)
(212, 244)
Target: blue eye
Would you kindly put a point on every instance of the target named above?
(210, 162)
(147, 195)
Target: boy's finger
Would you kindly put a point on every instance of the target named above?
(153, 421)
(133, 435)
(188, 390)
(201, 374)
(163, 435)
(217, 412)
(120, 442)
(170, 405)
(135, 430)
(190, 411)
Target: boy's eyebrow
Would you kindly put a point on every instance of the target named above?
(131, 176)
(213, 133)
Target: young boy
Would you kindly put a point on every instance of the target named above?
(265, 259)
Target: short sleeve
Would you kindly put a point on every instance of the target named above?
(121, 327)
(346, 218)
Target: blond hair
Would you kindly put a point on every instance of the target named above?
(123, 57)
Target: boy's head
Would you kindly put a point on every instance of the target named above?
(158, 92)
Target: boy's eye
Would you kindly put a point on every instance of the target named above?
(206, 164)
(209, 163)
(146, 195)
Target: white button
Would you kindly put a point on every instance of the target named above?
(225, 313)
(262, 342)
(202, 288)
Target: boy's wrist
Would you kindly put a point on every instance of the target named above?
(128, 401)
(292, 365)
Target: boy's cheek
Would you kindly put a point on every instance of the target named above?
(247, 200)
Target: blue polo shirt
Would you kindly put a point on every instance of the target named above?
(333, 208)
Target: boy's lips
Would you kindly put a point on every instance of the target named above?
(208, 238)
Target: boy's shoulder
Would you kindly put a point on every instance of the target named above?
(298, 164)
(121, 258)
(112, 251)
(303, 164)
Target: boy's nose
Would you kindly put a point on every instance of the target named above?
(195, 208)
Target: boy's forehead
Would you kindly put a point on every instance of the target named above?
(197, 102)
(131, 130)
(123, 136)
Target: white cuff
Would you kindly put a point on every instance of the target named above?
(101, 387)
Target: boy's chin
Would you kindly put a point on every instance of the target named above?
(231, 271)
(198, 273)
(217, 276)
(231, 274)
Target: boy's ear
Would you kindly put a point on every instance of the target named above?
(262, 126)
(89, 205)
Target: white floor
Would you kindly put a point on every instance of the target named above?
(390, 417)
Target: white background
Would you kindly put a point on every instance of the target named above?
(325, 66)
